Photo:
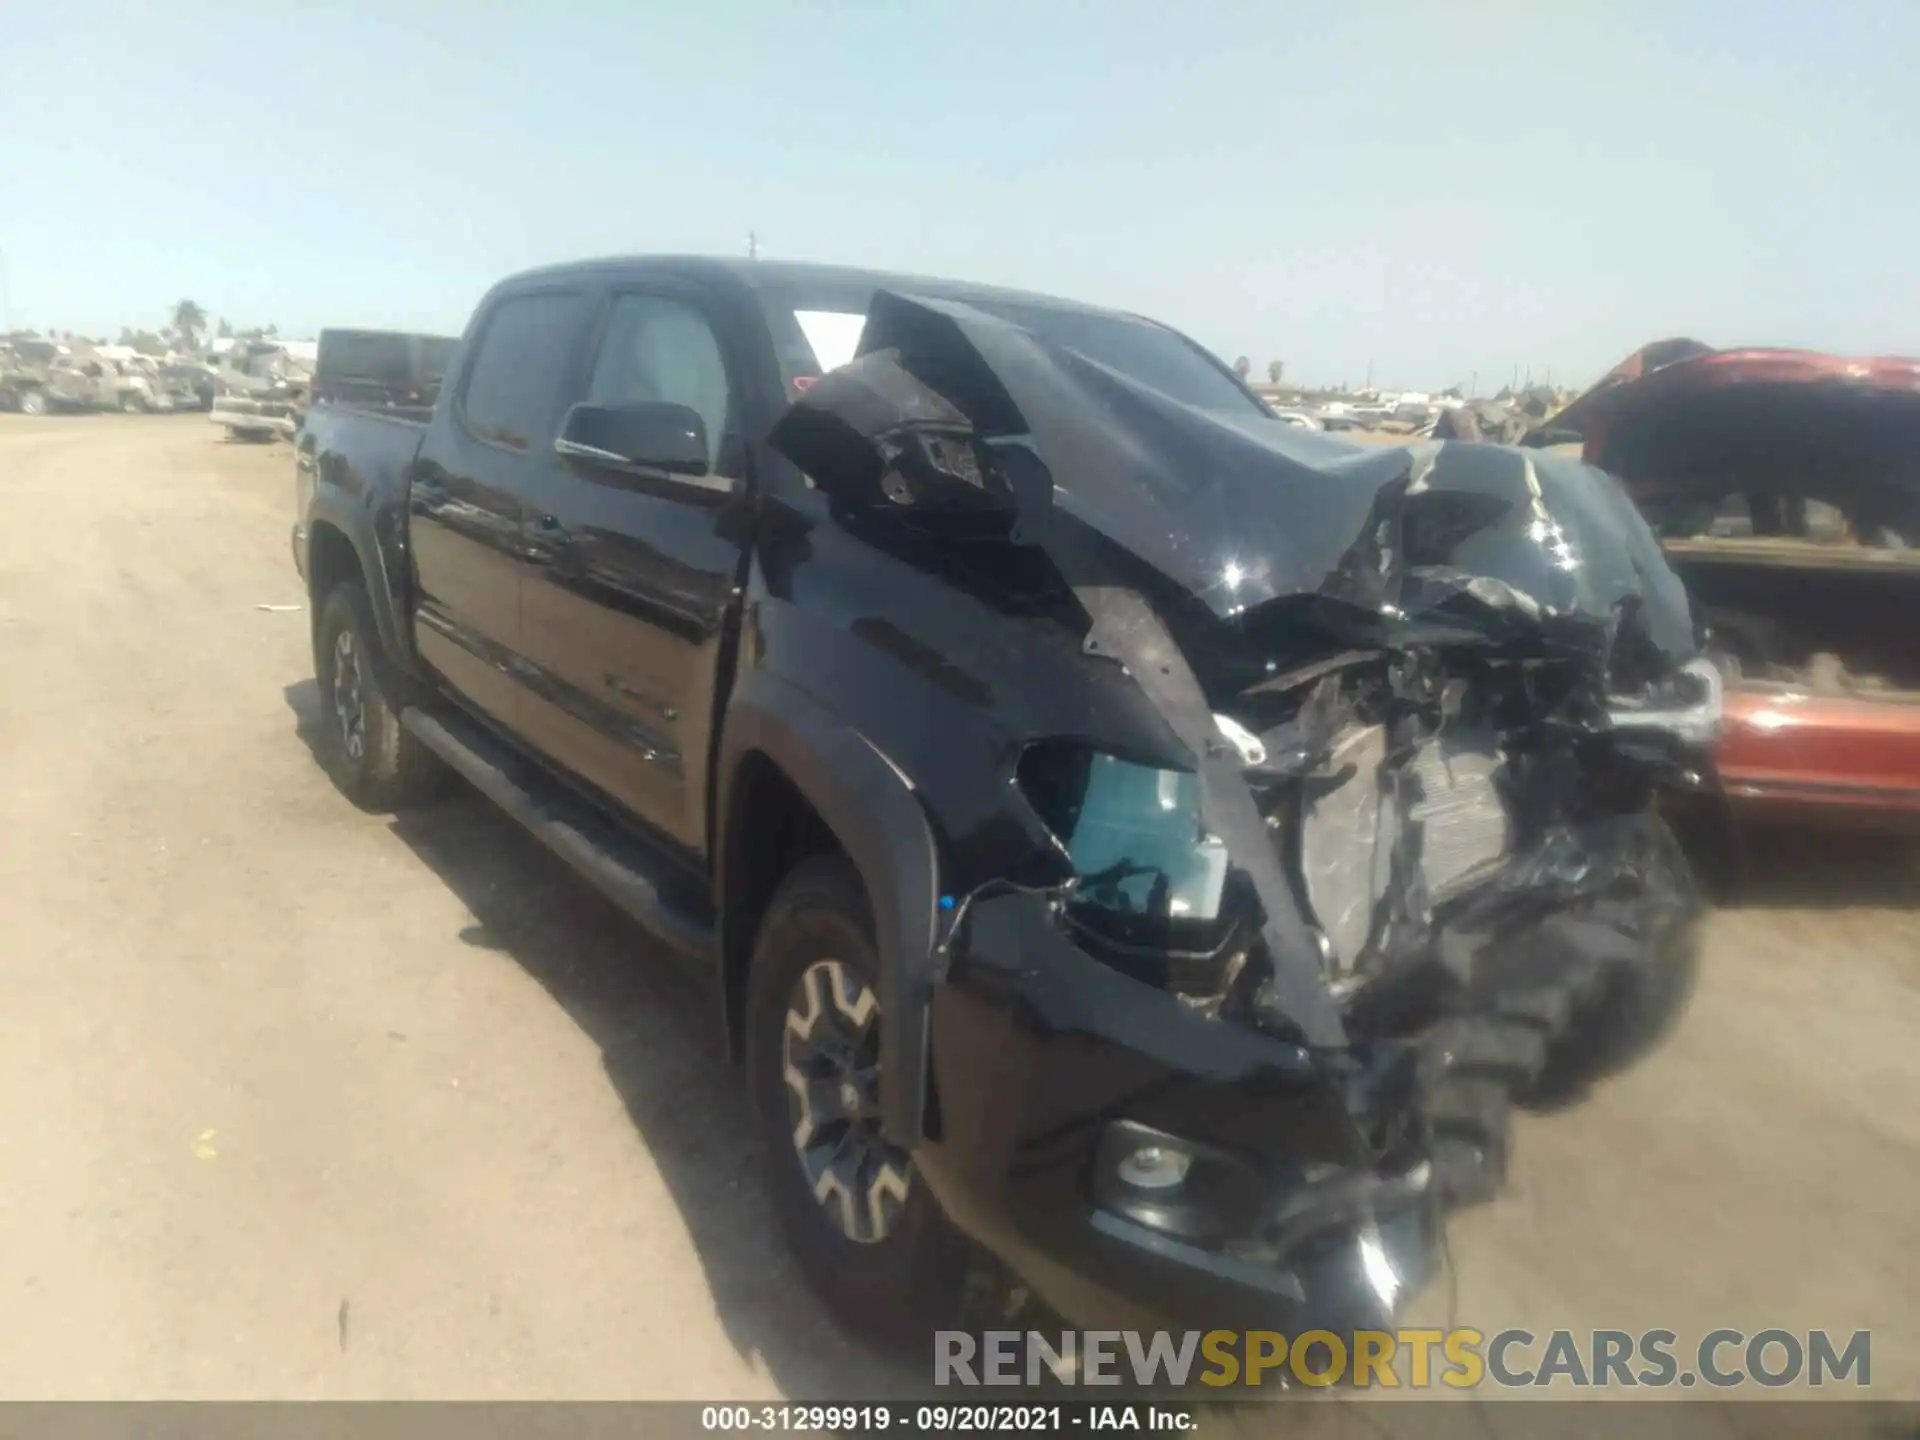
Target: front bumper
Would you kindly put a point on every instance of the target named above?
(1042, 1054)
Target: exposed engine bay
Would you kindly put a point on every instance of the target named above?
(1425, 699)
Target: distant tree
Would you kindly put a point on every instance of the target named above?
(1275, 369)
(1242, 366)
(224, 329)
(188, 321)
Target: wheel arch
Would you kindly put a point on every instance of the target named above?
(341, 546)
(796, 779)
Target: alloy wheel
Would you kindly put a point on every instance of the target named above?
(831, 1064)
(349, 699)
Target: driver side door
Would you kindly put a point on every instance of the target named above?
(632, 574)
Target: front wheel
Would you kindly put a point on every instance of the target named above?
(868, 1234)
(33, 402)
(377, 762)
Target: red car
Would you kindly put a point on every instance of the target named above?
(1785, 487)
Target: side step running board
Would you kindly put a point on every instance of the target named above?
(566, 826)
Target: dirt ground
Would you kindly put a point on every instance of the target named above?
(297, 1102)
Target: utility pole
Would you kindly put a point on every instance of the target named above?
(6, 298)
(753, 246)
(1473, 386)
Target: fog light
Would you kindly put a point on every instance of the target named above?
(1180, 1187)
(1155, 1167)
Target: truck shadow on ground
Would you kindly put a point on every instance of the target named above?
(658, 1031)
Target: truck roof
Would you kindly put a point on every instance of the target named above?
(792, 274)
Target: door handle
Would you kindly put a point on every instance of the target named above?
(549, 542)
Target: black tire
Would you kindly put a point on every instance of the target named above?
(33, 402)
(1470, 1122)
(893, 1290)
(1636, 1007)
(388, 767)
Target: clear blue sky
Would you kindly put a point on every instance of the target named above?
(1544, 184)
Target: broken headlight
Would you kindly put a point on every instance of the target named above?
(1153, 887)
(1687, 704)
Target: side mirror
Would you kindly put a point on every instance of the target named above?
(647, 436)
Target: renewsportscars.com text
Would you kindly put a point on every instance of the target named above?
(1460, 1359)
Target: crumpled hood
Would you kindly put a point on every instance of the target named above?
(1478, 540)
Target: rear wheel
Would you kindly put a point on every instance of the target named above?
(866, 1231)
(376, 761)
(133, 403)
(33, 402)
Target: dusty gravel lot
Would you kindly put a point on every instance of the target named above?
(299, 1102)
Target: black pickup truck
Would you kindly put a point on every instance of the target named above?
(1131, 836)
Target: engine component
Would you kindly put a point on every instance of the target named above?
(1358, 812)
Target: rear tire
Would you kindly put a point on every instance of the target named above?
(889, 1265)
(33, 402)
(377, 763)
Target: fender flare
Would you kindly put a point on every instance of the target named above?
(333, 507)
(871, 808)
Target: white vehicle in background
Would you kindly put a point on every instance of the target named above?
(1300, 419)
(263, 388)
(39, 377)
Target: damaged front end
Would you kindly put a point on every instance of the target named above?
(1384, 846)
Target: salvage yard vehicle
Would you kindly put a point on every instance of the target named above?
(27, 367)
(40, 376)
(384, 369)
(1783, 486)
(190, 385)
(1144, 841)
(262, 390)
